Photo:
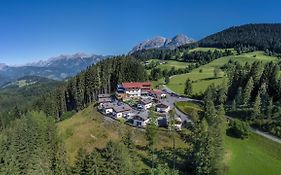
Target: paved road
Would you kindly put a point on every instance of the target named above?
(261, 133)
(171, 100)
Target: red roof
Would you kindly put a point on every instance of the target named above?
(137, 85)
(156, 91)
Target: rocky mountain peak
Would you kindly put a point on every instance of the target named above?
(162, 42)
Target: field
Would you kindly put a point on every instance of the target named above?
(188, 107)
(206, 49)
(253, 156)
(170, 63)
(168, 66)
(88, 129)
(201, 80)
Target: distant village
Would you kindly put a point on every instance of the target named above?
(133, 101)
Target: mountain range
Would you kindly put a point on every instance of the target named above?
(56, 68)
(64, 66)
(163, 43)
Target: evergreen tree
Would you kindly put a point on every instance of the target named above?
(167, 79)
(163, 170)
(233, 105)
(151, 133)
(257, 106)
(80, 164)
(247, 91)
(188, 87)
(264, 97)
(269, 108)
(202, 149)
(94, 163)
(238, 97)
(117, 160)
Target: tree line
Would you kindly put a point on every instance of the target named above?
(261, 36)
(82, 90)
(255, 93)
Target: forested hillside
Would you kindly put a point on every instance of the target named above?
(255, 93)
(83, 89)
(17, 97)
(31, 146)
(261, 36)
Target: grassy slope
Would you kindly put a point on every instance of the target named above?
(88, 129)
(168, 66)
(254, 156)
(204, 79)
(206, 49)
(188, 107)
(171, 63)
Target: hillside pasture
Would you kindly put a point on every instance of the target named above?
(203, 76)
(253, 156)
(88, 129)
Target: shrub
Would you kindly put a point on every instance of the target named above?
(239, 129)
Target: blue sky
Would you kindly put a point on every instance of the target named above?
(31, 30)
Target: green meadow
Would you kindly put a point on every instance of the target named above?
(170, 63)
(206, 49)
(253, 156)
(202, 79)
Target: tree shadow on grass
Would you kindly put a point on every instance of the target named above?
(210, 78)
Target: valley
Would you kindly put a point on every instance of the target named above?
(169, 107)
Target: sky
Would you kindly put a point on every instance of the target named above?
(32, 30)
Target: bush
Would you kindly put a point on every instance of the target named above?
(67, 115)
(239, 129)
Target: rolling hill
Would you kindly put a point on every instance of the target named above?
(88, 129)
(203, 76)
(262, 36)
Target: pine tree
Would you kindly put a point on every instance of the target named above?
(247, 91)
(202, 149)
(80, 164)
(188, 87)
(151, 133)
(238, 97)
(269, 108)
(233, 105)
(117, 160)
(264, 97)
(257, 107)
(94, 163)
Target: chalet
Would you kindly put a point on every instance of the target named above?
(157, 93)
(132, 89)
(101, 101)
(121, 111)
(162, 108)
(140, 119)
(145, 103)
(107, 108)
(103, 98)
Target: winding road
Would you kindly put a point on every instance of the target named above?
(175, 98)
